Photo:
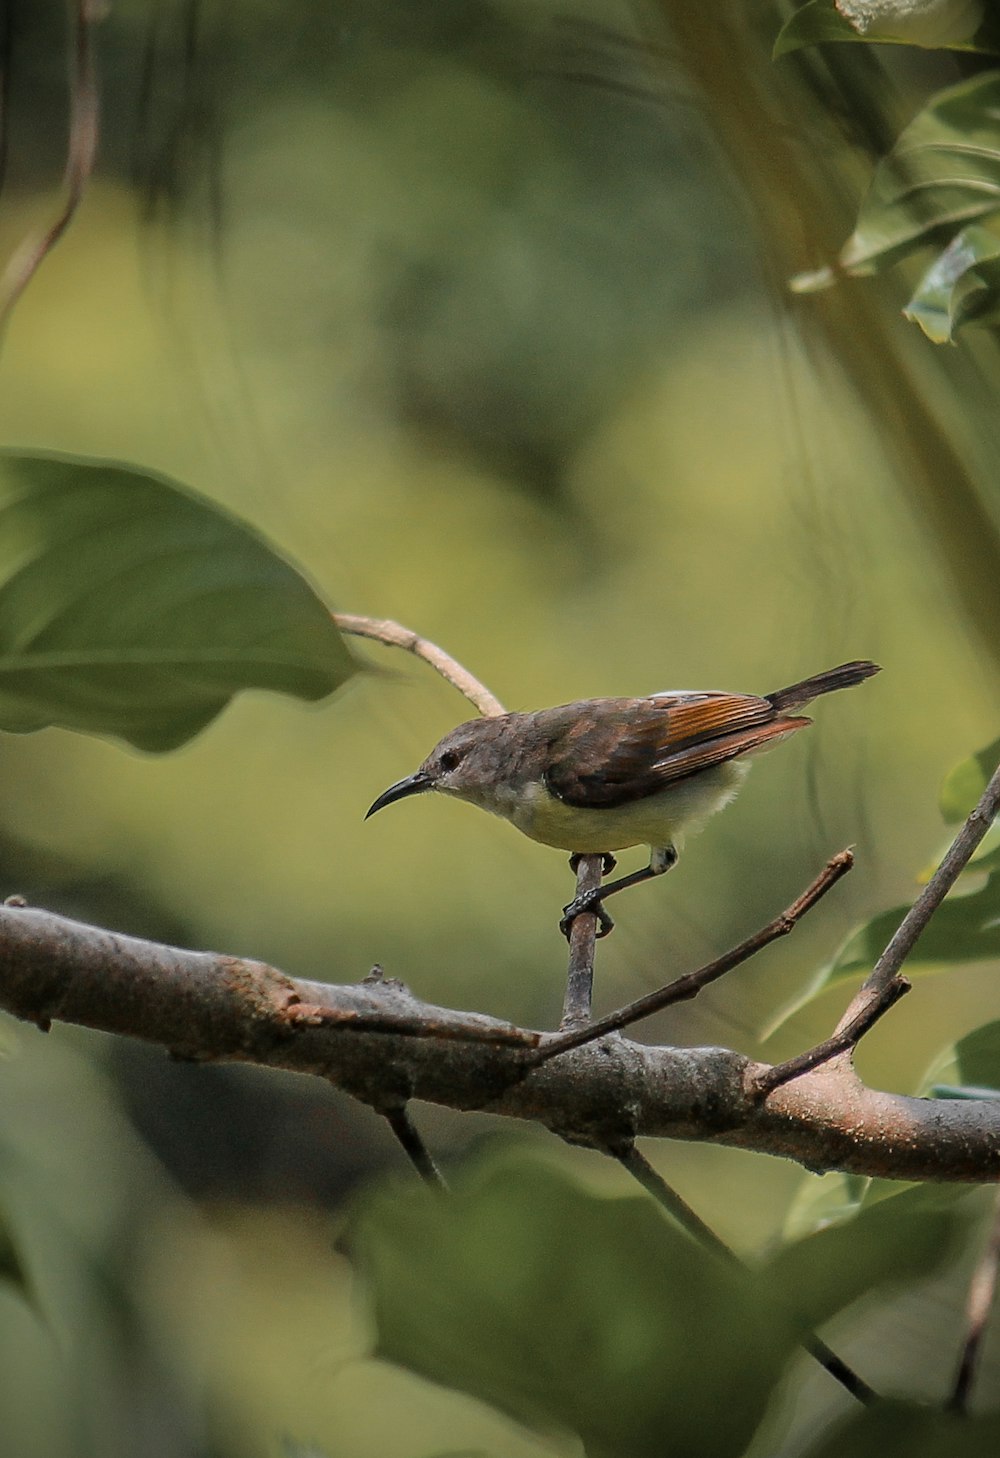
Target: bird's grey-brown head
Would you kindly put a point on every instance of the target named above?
(464, 763)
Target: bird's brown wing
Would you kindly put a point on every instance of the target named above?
(631, 748)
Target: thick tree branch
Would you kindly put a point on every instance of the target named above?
(378, 1042)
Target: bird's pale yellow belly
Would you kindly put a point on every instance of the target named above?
(656, 820)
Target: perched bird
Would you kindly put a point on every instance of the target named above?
(600, 775)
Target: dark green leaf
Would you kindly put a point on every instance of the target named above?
(811, 25)
(567, 1311)
(943, 173)
(964, 785)
(962, 286)
(132, 607)
(819, 21)
(894, 1241)
(901, 1430)
(965, 928)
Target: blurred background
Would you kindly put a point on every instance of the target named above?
(478, 311)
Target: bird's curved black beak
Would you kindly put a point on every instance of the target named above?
(414, 784)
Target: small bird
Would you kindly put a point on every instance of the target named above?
(599, 775)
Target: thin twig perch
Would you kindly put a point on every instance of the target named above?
(582, 948)
(688, 986)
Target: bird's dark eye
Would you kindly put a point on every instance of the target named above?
(449, 760)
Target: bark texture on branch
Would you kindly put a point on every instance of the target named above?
(378, 1042)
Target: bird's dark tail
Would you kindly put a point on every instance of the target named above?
(800, 694)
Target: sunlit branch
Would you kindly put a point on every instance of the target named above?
(394, 635)
(374, 1037)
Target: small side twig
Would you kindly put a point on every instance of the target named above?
(692, 983)
(582, 942)
(399, 1121)
(979, 1304)
(81, 152)
(868, 1008)
(394, 635)
(916, 919)
(667, 1197)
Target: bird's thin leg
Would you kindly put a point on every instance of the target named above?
(660, 861)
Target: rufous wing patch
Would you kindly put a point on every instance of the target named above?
(636, 751)
(708, 716)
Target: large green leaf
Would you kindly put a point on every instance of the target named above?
(943, 173)
(572, 1312)
(132, 607)
(819, 21)
(904, 1430)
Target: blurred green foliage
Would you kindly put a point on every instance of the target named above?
(598, 1316)
(942, 176)
(903, 1429)
(478, 313)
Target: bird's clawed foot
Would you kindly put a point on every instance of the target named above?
(589, 901)
(608, 862)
